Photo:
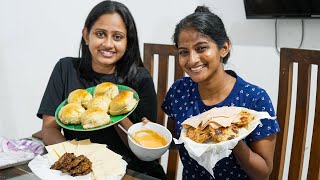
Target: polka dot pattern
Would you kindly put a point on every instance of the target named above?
(183, 101)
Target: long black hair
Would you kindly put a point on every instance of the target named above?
(126, 67)
(207, 23)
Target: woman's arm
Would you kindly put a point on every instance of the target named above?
(126, 124)
(256, 160)
(51, 131)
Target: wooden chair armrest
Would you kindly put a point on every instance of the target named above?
(173, 146)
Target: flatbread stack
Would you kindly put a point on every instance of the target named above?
(104, 161)
(219, 124)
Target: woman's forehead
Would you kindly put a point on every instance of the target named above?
(191, 36)
(110, 21)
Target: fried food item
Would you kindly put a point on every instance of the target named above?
(224, 123)
(80, 96)
(243, 118)
(94, 117)
(199, 135)
(101, 102)
(81, 168)
(63, 161)
(106, 89)
(71, 113)
(73, 163)
(122, 103)
(86, 172)
(224, 133)
(76, 166)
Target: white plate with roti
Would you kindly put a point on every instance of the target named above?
(105, 164)
(211, 136)
(222, 124)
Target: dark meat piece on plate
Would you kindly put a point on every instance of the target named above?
(86, 172)
(81, 168)
(65, 159)
(73, 163)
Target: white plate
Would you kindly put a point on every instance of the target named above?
(208, 154)
(243, 132)
(40, 166)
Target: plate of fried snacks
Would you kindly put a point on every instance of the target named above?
(211, 135)
(78, 160)
(97, 107)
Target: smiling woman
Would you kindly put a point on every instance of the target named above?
(109, 52)
(200, 57)
(204, 48)
(107, 42)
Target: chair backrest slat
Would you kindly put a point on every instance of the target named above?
(178, 72)
(164, 52)
(314, 173)
(301, 121)
(283, 115)
(162, 84)
(148, 59)
(305, 59)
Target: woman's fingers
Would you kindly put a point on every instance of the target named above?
(145, 120)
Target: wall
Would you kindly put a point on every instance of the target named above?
(34, 34)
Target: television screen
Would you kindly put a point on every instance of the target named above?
(257, 9)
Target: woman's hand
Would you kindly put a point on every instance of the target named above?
(256, 160)
(145, 120)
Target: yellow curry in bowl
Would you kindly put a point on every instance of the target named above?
(149, 138)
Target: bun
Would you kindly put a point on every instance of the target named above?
(80, 96)
(202, 9)
(122, 103)
(71, 113)
(101, 102)
(94, 117)
(106, 89)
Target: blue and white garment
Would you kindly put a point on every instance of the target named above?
(183, 101)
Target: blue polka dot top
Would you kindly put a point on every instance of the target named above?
(183, 101)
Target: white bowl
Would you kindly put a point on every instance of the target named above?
(145, 153)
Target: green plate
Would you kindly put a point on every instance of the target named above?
(114, 119)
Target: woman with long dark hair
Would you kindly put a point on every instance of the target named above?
(109, 52)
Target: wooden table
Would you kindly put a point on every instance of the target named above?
(23, 172)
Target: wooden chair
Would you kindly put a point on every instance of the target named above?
(37, 135)
(164, 51)
(304, 59)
